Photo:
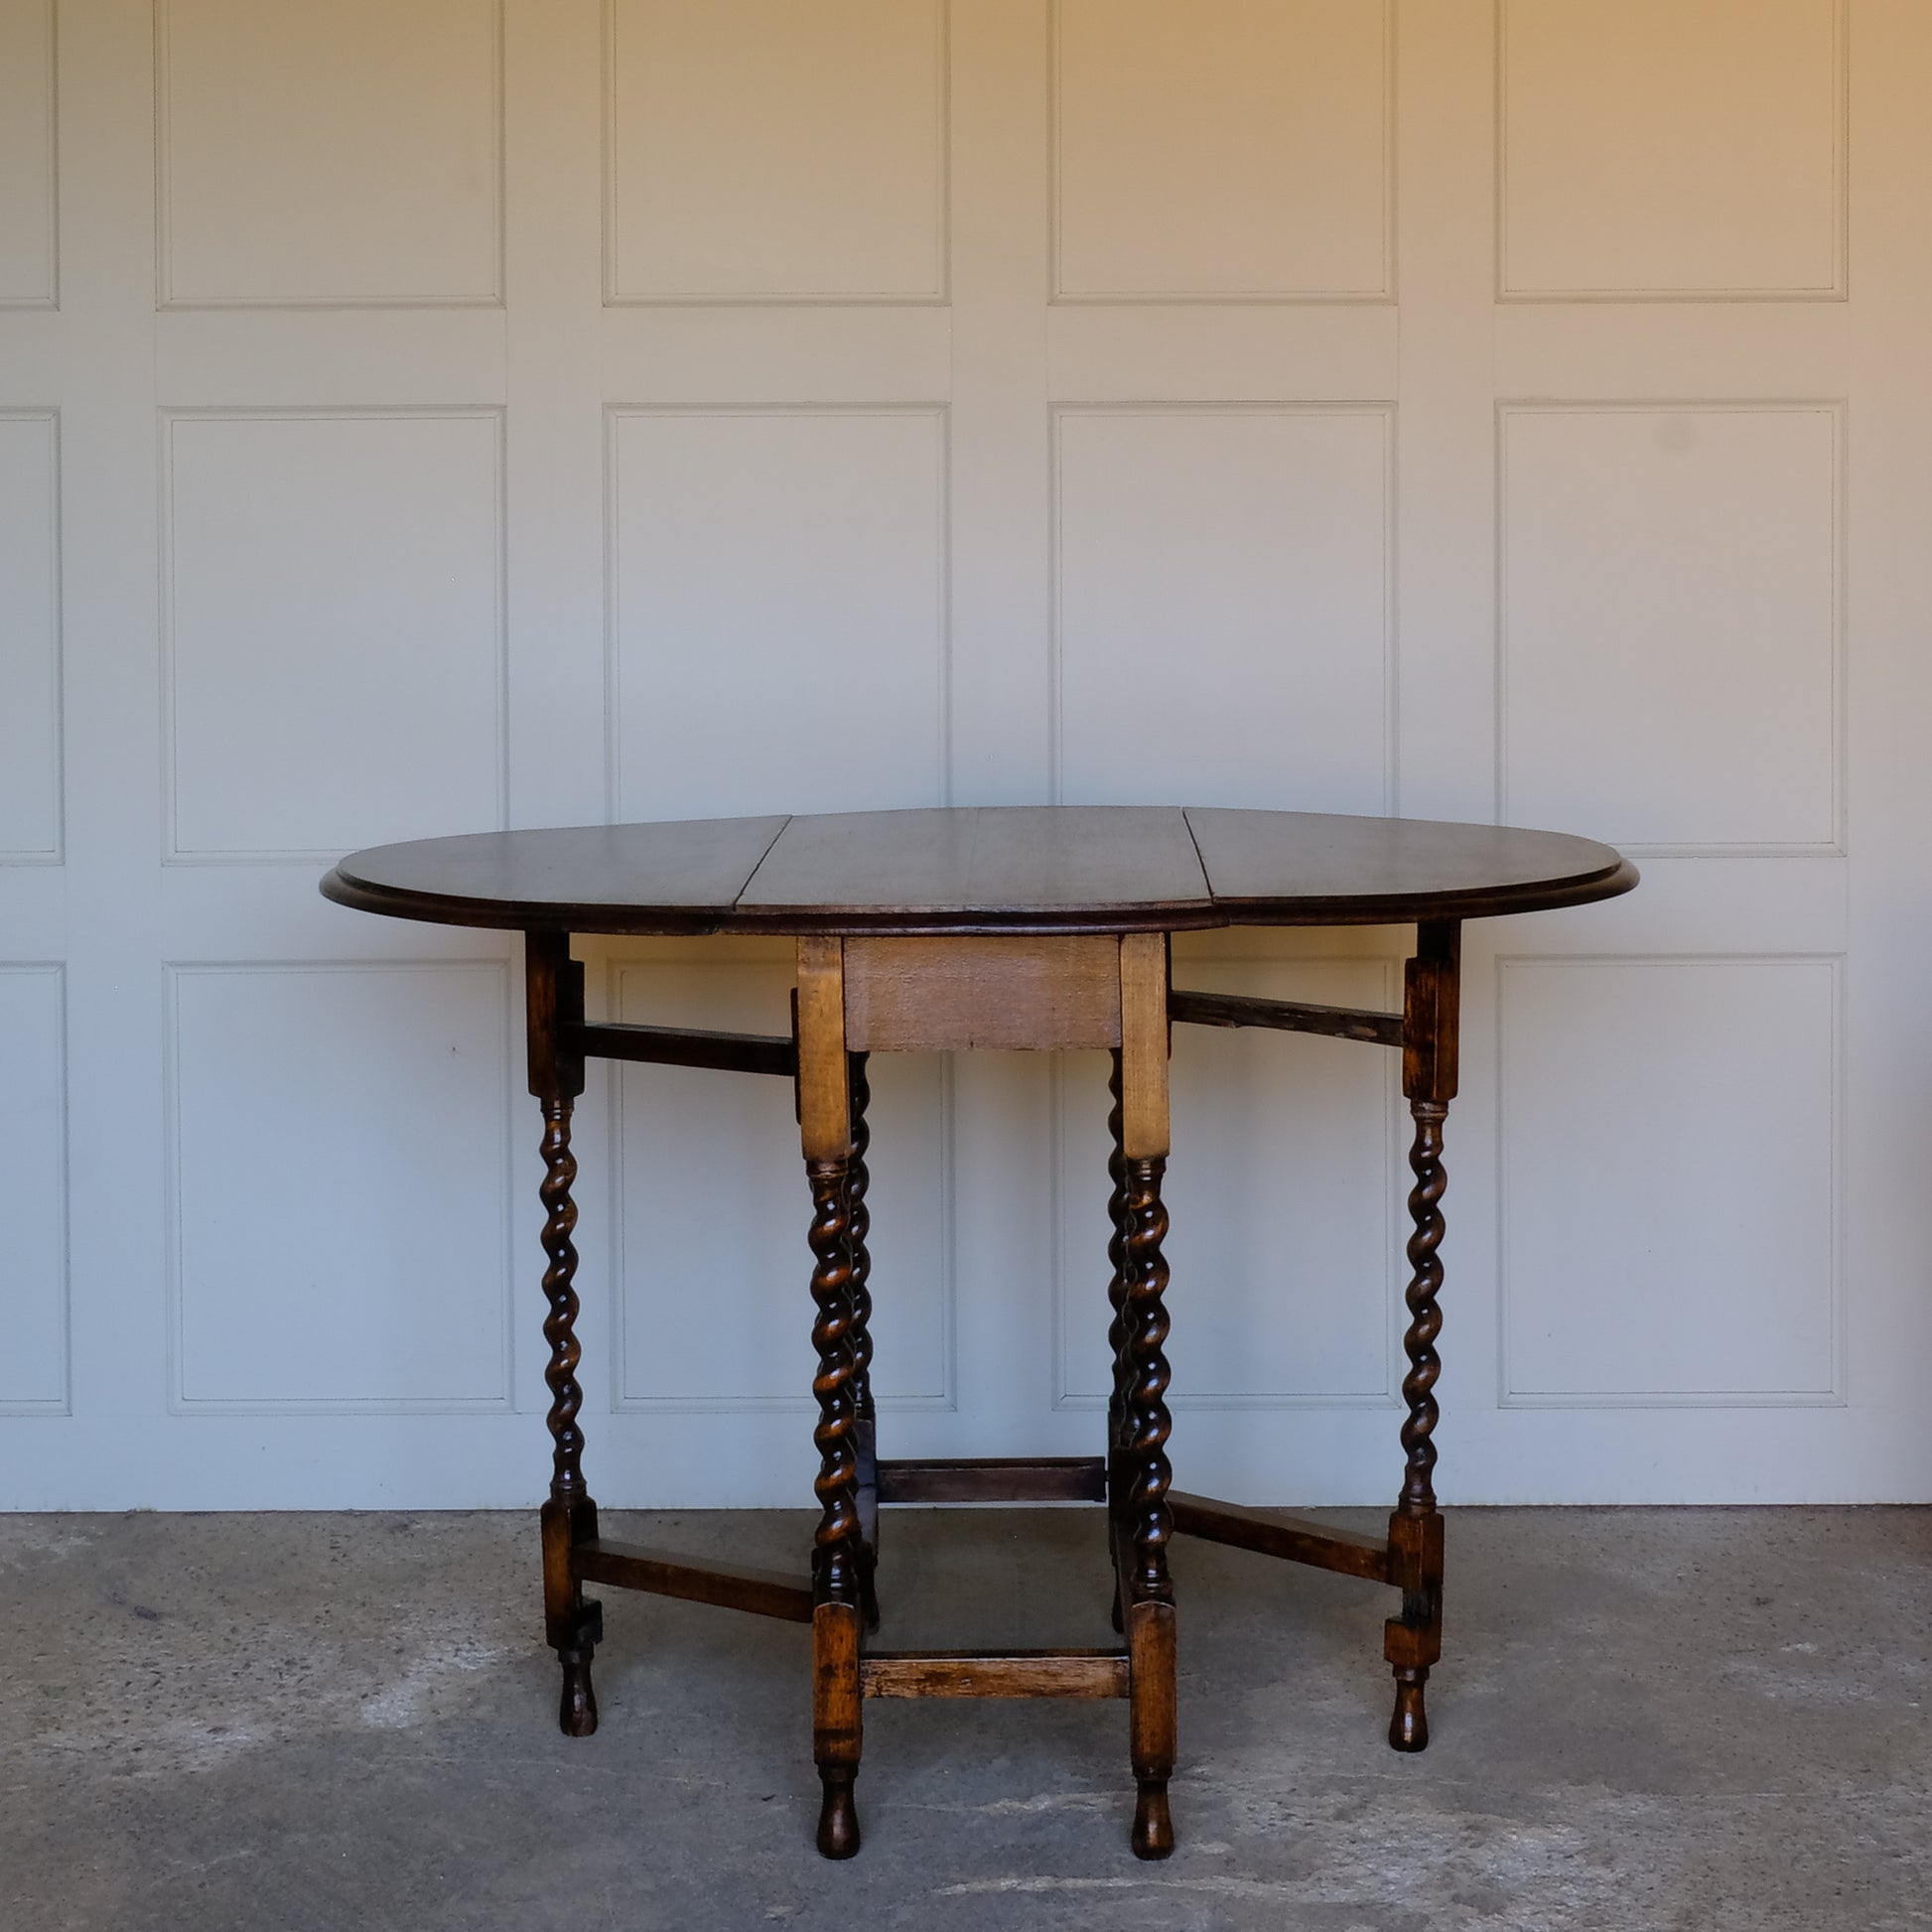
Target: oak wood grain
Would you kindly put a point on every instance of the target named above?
(949, 994)
(995, 1673)
(824, 1084)
(1144, 1045)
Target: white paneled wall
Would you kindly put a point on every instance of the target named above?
(1669, 632)
(720, 697)
(1653, 149)
(681, 1140)
(34, 1288)
(1208, 552)
(330, 580)
(818, 134)
(1301, 1199)
(29, 634)
(339, 155)
(29, 169)
(267, 1063)
(1629, 1314)
(430, 415)
(1193, 162)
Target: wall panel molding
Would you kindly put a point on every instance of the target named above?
(1830, 288)
(898, 789)
(14, 750)
(1597, 1207)
(698, 289)
(392, 18)
(1678, 416)
(404, 1334)
(627, 1243)
(48, 1213)
(1380, 287)
(1087, 1261)
(350, 753)
(30, 37)
(1383, 797)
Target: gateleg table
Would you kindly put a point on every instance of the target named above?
(943, 930)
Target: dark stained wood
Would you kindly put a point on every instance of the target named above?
(1117, 1326)
(688, 1046)
(1040, 868)
(827, 1093)
(1285, 1015)
(660, 1573)
(994, 1480)
(573, 1623)
(1431, 1003)
(838, 1723)
(1413, 1640)
(1139, 1478)
(553, 1009)
(1273, 1533)
(1145, 1522)
(980, 869)
(1311, 869)
(675, 876)
(865, 1437)
(554, 1006)
(1151, 1726)
(995, 1673)
(835, 1543)
(924, 889)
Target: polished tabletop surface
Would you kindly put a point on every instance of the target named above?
(981, 869)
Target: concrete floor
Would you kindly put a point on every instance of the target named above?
(1647, 1719)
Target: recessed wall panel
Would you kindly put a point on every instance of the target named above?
(1282, 1196)
(1222, 150)
(1670, 611)
(759, 150)
(1670, 1180)
(340, 1167)
(1653, 149)
(33, 1190)
(714, 1269)
(777, 611)
(334, 616)
(345, 155)
(1224, 617)
(30, 638)
(27, 248)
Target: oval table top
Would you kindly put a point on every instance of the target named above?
(981, 869)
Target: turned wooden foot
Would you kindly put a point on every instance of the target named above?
(577, 1711)
(838, 1815)
(1409, 1728)
(1152, 1833)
